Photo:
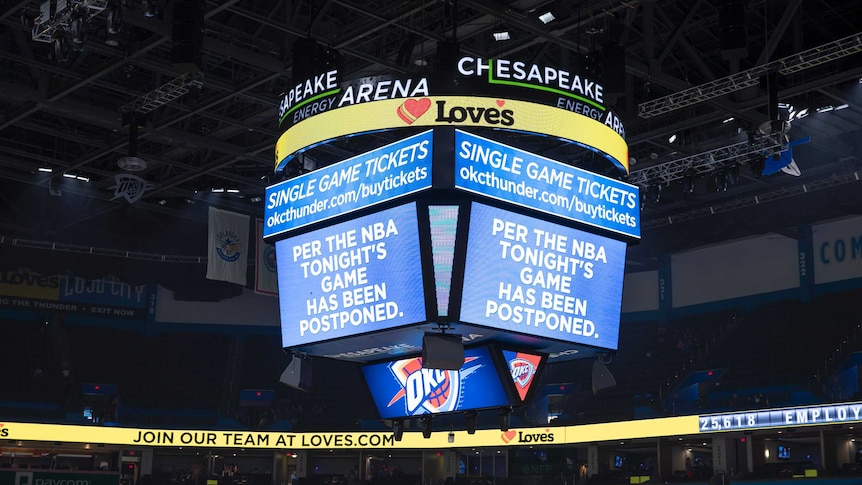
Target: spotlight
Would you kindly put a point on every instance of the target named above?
(232, 191)
(470, 418)
(733, 174)
(398, 429)
(255, 199)
(672, 138)
(824, 109)
(654, 193)
(61, 49)
(728, 120)
(688, 183)
(46, 169)
(842, 106)
(504, 35)
(163, 202)
(426, 422)
(79, 33)
(217, 190)
(720, 182)
(115, 19)
(802, 113)
(149, 8)
(69, 175)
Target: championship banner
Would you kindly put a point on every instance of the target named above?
(227, 255)
(458, 111)
(265, 275)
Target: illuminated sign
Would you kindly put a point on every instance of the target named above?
(464, 111)
(505, 173)
(783, 417)
(522, 367)
(351, 278)
(533, 277)
(383, 174)
(504, 72)
(403, 388)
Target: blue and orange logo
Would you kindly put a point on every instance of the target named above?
(427, 391)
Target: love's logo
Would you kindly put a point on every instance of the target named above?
(411, 109)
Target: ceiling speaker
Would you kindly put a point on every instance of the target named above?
(442, 351)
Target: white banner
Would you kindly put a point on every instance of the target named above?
(266, 278)
(227, 256)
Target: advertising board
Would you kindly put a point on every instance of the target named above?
(377, 176)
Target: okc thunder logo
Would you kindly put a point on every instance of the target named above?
(428, 390)
(522, 371)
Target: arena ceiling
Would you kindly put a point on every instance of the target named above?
(62, 109)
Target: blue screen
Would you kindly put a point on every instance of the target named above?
(511, 175)
(383, 174)
(403, 388)
(529, 276)
(356, 277)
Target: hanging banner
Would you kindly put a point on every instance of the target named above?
(227, 254)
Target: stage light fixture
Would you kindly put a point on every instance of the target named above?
(426, 422)
(842, 106)
(470, 418)
(504, 35)
(398, 429)
(728, 120)
(217, 190)
(46, 169)
(825, 109)
(504, 419)
(232, 191)
(672, 138)
(802, 113)
(149, 8)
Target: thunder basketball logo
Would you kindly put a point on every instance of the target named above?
(428, 390)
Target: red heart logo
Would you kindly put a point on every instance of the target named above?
(412, 109)
(500, 103)
(509, 435)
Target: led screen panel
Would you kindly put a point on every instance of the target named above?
(403, 388)
(352, 278)
(537, 278)
(377, 176)
(522, 367)
(515, 176)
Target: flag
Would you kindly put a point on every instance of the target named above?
(227, 256)
(265, 276)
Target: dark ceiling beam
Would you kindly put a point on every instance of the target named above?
(66, 90)
(693, 55)
(298, 33)
(211, 45)
(774, 38)
(677, 33)
(208, 168)
(11, 8)
(383, 22)
(315, 19)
